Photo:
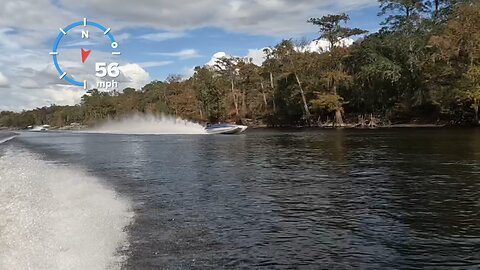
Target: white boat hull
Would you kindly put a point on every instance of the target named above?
(234, 129)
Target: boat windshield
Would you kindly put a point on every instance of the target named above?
(219, 126)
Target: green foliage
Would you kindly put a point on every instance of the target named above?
(402, 14)
(424, 64)
(473, 95)
(209, 93)
(330, 28)
(327, 102)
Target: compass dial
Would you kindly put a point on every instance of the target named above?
(102, 69)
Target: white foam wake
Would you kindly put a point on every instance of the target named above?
(37, 128)
(57, 217)
(149, 124)
(4, 140)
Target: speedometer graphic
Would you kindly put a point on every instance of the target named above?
(102, 69)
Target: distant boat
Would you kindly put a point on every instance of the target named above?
(225, 129)
(44, 128)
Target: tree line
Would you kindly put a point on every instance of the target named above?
(422, 66)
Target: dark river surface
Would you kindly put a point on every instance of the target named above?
(335, 199)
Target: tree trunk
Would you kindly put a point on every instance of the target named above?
(361, 121)
(244, 103)
(373, 122)
(235, 102)
(437, 8)
(476, 116)
(165, 97)
(304, 99)
(334, 87)
(338, 117)
(411, 56)
(264, 96)
(272, 85)
(338, 111)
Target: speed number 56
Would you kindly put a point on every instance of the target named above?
(102, 70)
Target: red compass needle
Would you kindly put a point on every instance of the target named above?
(85, 54)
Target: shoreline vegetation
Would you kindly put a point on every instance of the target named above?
(422, 69)
(325, 126)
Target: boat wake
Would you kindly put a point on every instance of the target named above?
(58, 217)
(149, 124)
(4, 140)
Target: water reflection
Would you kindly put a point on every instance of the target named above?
(385, 199)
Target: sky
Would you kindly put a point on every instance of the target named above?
(155, 37)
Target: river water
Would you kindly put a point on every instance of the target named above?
(337, 199)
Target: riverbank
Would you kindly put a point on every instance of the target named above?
(350, 125)
(258, 127)
(350, 122)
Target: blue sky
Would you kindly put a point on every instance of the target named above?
(156, 37)
(207, 41)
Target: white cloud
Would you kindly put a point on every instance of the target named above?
(154, 64)
(257, 56)
(183, 54)
(4, 82)
(27, 28)
(28, 83)
(80, 43)
(323, 45)
(163, 36)
(38, 83)
(277, 17)
(122, 36)
(34, 15)
(188, 72)
(67, 95)
(215, 58)
(15, 99)
(136, 76)
(42, 88)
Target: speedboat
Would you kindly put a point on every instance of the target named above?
(44, 128)
(225, 129)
